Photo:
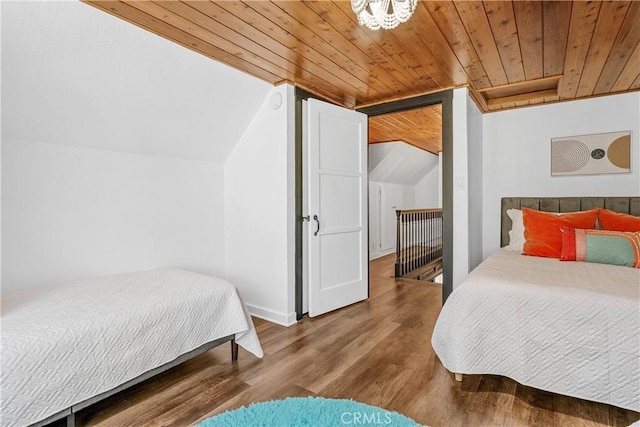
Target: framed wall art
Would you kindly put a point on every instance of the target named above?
(600, 153)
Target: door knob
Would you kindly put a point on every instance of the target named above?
(315, 217)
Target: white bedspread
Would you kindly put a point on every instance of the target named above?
(571, 328)
(77, 341)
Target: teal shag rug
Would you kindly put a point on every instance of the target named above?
(309, 411)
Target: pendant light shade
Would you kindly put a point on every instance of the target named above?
(386, 14)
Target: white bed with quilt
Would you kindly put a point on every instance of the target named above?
(66, 347)
(566, 327)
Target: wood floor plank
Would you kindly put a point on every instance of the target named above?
(196, 407)
(352, 381)
(144, 408)
(165, 391)
(178, 403)
(434, 396)
(377, 351)
(388, 383)
(260, 393)
(497, 394)
(283, 364)
(321, 373)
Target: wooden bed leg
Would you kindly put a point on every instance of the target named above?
(458, 376)
(234, 350)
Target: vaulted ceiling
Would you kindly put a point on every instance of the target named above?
(421, 128)
(509, 54)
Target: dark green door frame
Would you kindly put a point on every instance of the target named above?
(300, 95)
(446, 99)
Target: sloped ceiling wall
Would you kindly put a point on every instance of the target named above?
(399, 163)
(77, 76)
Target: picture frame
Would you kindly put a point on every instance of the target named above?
(592, 154)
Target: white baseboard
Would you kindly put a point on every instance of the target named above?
(375, 255)
(272, 316)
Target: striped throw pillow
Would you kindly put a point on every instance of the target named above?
(601, 246)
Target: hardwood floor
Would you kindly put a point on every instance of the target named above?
(377, 352)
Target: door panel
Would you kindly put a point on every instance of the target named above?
(337, 196)
(340, 197)
(343, 251)
(334, 153)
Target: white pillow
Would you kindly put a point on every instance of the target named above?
(516, 234)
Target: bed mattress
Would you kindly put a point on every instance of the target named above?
(64, 345)
(571, 328)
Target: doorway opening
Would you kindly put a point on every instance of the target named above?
(445, 99)
(405, 197)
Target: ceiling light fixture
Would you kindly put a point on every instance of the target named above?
(386, 14)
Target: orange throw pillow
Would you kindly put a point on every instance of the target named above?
(543, 230)
(614, 221)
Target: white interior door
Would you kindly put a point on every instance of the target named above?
(337, 234)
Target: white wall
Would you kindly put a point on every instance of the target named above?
(516, 153)
(399, 163)
(105, 129)
(428, 191)
(460, 186)
(70, 213)
(408, 179)
(384, 199)
(0, 154)
(259, 211)
(440, 163)
(474, 141)
(75, 75)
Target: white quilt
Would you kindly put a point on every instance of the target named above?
(571, 328)
(74, 342)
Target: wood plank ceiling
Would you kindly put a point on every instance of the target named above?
(318, 45)
(509, 53)
(421, 128)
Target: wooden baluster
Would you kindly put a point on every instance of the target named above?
(408, 242)
(434, 236)
(423, 252)
(440, 234)
(430, 236)
(418, 239)
(416, 249)
(426, 238)
(419, 242)
(409, 249)
(397, 265)
(423, 224)
(404, 244)
(413, 241)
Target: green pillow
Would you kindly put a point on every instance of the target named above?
(601, 246)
